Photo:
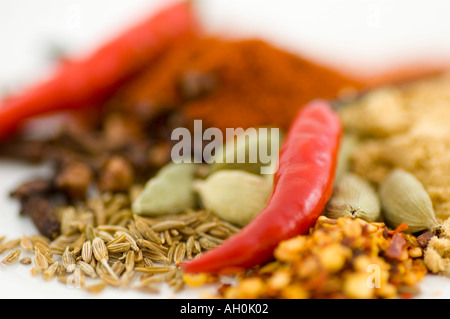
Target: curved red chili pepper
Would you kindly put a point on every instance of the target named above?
(303, 185)
(89, 80)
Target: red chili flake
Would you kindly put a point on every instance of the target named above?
(395, 249)
(424, 238)
(400, 228)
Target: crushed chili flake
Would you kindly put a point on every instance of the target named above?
(396, 248)
(343, 258)
(424, 238)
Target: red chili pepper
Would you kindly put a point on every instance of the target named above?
(303, 185)
(91, 79)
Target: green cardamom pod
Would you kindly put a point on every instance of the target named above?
(355, 197)
(235, 196)
(168, 192)
(252, 150)
(349, 143)
(405, 200)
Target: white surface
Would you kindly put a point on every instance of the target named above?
(360, 35)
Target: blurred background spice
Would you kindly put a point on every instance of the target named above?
(232, 83)
(240, 83)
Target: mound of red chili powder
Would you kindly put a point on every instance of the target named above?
(243, 83)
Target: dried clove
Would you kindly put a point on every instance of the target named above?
(37, 187)
(117, 175)
(41, 212)
(33, 197)
(74, 179)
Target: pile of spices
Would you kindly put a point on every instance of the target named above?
(401, 143)
(93, 228)
(406, 127)
(224, 83)
(339, 258)
(102, 243)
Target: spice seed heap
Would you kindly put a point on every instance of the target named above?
(125, 245)
(339, 258)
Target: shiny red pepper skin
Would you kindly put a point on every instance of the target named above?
(89, 80)
(303, 185)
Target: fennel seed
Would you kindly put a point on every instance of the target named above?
(86, 251)
(40, 261)
(12, 257)
(25, 261)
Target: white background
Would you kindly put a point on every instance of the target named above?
(360, 36)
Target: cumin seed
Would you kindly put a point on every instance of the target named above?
(12, 257)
